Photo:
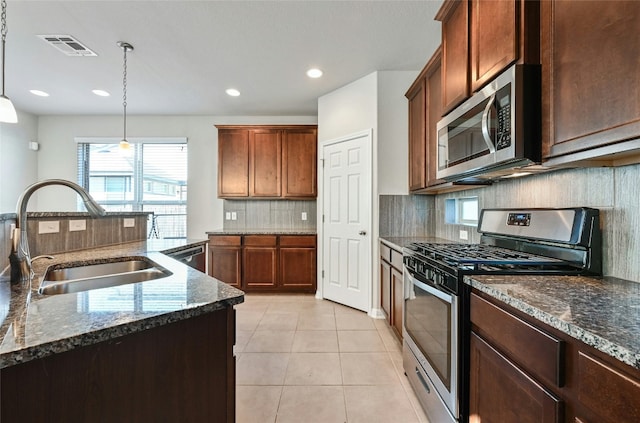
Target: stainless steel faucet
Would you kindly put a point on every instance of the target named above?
(20, 257)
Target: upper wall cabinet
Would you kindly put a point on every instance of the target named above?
(267, 161)
(480, 39)
(591, 79)
(425, 110)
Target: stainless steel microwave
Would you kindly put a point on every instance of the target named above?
(494, 133)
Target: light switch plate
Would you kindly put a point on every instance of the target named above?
(464, 235)
(234, 216)
(49, 227)
(227, 216)
(77, 225)
(129, 222)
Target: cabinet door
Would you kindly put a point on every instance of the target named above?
(225, 264)
(501, 392)
(233, 163)
(397, 284)
(299, 171)
(385, 288)
(298, 269)
(454, 15)
(434, 114)
(417, 135)
(265, 163)
(590, 75)
(494, 39)
(259, 262)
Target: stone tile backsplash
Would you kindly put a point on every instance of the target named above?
(270, 214)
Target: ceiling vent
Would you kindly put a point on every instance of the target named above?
(67, 44)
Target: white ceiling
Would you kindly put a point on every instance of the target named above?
(188, 52)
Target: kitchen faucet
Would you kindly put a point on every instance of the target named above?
(20, 257)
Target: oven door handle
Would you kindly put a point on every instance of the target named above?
(431, 290)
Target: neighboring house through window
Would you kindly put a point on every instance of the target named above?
(150, 176)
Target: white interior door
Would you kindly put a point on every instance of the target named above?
(347, 221)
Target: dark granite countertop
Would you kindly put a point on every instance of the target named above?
(601, 312)
(34, 326)
(262, 231)
(399, 242)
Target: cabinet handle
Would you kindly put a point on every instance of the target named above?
(423, 381)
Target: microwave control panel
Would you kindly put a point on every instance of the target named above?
(503, 109)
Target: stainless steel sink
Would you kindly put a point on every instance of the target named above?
(76, 277)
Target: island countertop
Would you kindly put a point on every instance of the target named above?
(604, 313)
(33, 325)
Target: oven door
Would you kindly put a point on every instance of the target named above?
(431, 333)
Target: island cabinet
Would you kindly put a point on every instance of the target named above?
(267, 161)
(590, 81)
(522, 370)
(264, 263)
(180, 372)
(392, 287)
(480, 39)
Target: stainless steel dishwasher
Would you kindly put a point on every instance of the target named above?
(193, 256)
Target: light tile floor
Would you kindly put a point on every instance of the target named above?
(305, 360)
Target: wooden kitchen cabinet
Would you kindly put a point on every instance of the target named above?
(590, 81)
(300, 158)
(225, 259)
(298, 263)
(265, 163)
(392, 287)
(524, 370)
(259, 263)
(480, 39)
(233, 163)
(260, 161)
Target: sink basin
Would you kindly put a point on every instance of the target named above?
(76, 277)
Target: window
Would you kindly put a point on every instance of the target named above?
(151, 176)
(462, 211)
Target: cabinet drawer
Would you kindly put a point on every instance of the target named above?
(385, 253)
(260, 240)
(396, 259)
(231, 240)
(611, 394)
(297, 240)
(537, 352)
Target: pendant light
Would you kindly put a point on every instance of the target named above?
(7, 111)
(126, 47)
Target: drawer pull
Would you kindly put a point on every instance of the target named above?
(423, 381)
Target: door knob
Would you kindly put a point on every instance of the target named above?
(363, 233)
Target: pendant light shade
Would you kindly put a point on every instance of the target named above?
(7, 111)
(126, 47)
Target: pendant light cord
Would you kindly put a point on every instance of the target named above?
(124, 92)
(3, 31)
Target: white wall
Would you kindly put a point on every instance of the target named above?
(57, 156)
(18, 164)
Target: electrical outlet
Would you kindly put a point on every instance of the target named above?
(234, 216)
(227, 216)
(464, 235)
(129, 222)
(77, 225)
(49, 227)
(12, 228)
(304, 215)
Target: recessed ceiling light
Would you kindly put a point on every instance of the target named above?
(39, 93)
(101, 93)
(314, 73)
(233, 92)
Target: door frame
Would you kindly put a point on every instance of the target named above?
(372, 230)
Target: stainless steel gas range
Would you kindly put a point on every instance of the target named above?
(436, 307)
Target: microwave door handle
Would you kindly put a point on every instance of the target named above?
(485, 125)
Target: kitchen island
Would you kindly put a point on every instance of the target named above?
(160, 350)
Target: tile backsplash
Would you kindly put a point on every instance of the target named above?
(407, 215)
(270, 214)
(612, 190)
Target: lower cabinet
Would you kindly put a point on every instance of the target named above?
(522, 370)
(264, 263)
(392, 287)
